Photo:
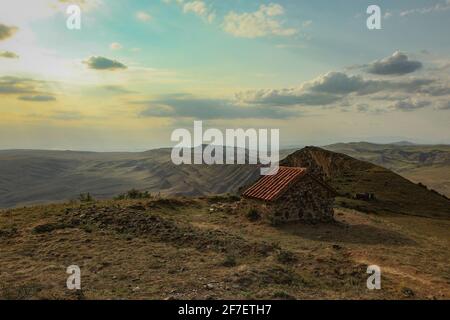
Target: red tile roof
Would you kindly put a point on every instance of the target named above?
(271, 187)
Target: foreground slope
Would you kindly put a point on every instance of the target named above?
(205, 248)
(350, 176)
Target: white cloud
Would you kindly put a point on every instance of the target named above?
(115, 46)
(199, 8)
(438, 7)
(143, 16)
(260, 23)
(387, 15)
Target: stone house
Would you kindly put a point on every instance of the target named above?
(291, 195)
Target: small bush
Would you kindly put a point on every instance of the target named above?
(286, 257)
(48, 227)
(282, 295)
(85, 197)
(134, 194)
(253, 214)
(8, 233)
(229, 261)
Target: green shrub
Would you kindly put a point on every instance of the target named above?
(253, 214)
(134, 194)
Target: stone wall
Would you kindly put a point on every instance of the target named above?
(307, 200)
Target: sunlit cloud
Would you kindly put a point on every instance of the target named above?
(8, 55)
(7, 31)
(263, 22)
(143, 16)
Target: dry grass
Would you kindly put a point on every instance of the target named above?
(178, 249)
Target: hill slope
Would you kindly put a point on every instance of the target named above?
(30, 177)
(428, 164)
(350, 176)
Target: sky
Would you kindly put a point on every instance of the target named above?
(136, 70)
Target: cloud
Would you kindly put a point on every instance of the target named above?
(411, 104)
(444, 105)
(66, 115)
(436, 90)
(143, 16)
(116, 89)
(341, 83)
(16, 85)
(397, 64)
(102, 63)
(199, 8)
(38, 98)
(438, 7)
(25, 88)
(338, 83)
(8, 55)
(260, 23)
(330, 88)
(6, 31)
(115, 46)
(190, 107)
(86, 5)
(286, 97)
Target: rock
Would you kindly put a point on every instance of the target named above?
(138, 207)
(210, 286)
(407, 292)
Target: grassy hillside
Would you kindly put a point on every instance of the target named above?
(350, 176)
(206, 248)
(428, 164)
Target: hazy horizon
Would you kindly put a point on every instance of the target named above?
(282, 147)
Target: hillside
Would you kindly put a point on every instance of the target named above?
(428, 164)
(30, 177)
(205, 248)
(350, 176)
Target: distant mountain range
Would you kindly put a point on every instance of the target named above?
(33, 176)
